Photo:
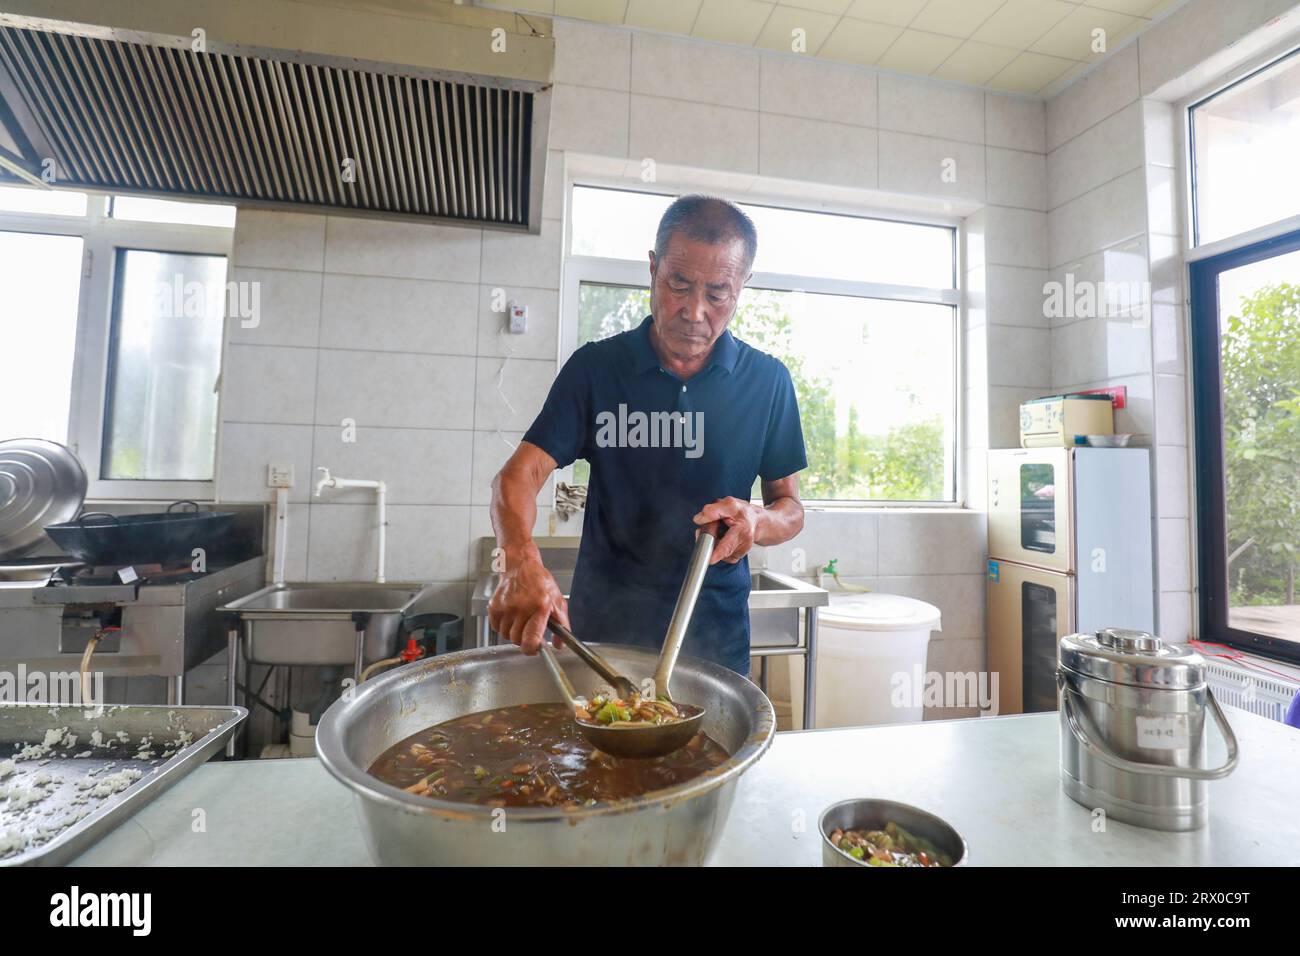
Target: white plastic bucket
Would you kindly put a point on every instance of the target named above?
(863, 641)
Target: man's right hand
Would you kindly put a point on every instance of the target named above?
(525, 598)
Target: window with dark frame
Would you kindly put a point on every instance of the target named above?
(1245, 356)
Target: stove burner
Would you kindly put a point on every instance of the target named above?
(107, 575)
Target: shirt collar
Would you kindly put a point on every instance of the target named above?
(644, 358)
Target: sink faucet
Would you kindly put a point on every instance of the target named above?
(326, 480)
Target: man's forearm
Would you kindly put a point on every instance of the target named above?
(780, 520)
(514, 512)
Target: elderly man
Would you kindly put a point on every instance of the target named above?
(676, 418)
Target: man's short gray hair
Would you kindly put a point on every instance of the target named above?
(707, 219)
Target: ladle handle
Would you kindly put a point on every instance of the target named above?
(686, 598)
(561, 678)
(588, 656)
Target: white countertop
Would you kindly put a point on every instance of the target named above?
(994, 779)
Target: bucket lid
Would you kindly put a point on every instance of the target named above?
(879, 612)
(1123, 656)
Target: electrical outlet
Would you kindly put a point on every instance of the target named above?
(279, 476)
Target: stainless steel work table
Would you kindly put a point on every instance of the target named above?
(994, 779)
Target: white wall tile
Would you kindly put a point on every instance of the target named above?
(932, 543)
(1167, 338)
(268, 384)
(1015, 237)
(1171, 409)
(419, 466)
(247, 450)
(1103, 217)
(381, 247)
(923, 166)
(850, 538)
(695, 72)
(911, 105)
(586, 120)
(817, 89)
(541, 339)
(1106, 90)
(378, 389)
(425, 542)
(1175, 555)
(693, 134)
(1014, 296)
(523, 258)
(288, 307)
(1172, 497)
(1004, 413)
(587, 55)
(1159, 132)
(1015, 122)
(511, 400)
(271, 239)
(399, 315)
(1176, 617)
(816, 151)
(1109, 149)
(1017, 178)
(1019, 355)
(1091, 349)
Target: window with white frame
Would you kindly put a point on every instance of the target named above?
(113, 310)
(862, 311)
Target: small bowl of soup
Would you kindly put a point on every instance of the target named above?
(886, 833)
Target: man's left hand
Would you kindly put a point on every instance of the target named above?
(741, 520)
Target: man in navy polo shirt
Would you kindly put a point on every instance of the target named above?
(676, 418)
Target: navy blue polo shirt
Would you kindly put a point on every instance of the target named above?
(660, 448)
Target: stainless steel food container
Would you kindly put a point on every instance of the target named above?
(1132, 724)
(870, 814)
(676, 826)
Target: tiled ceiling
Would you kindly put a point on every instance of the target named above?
(1022, 46)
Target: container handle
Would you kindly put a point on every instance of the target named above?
(1099, 749)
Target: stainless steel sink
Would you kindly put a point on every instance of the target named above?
(317, 623)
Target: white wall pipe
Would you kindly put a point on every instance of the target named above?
(326, 480)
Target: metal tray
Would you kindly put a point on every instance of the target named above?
(144, 749)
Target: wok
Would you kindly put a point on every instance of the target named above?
(676, 826)
(167, 538)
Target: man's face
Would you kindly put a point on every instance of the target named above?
(694, 289)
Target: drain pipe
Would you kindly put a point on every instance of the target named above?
(326, 480)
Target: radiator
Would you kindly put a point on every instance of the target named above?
(1264, 694)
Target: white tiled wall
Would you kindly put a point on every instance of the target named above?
(392, 324)
(389, 326)
(1114, 214)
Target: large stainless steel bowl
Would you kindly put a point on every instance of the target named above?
(676, 826)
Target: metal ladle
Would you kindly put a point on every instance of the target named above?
(643, 740)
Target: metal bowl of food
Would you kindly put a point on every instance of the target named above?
(676, 825)
(866, 832)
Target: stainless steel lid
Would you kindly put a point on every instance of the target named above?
(41, 483)
(1122, 656)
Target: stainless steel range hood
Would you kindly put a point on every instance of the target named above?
(209, 112)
